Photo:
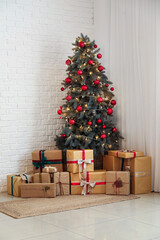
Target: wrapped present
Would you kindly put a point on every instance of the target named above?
(95, 182)
(14, 182)
(140, 170)
(43, 158)
(38, 190)
(125, 153)
(62, 181)
(49, 169)
(118, 182)
(41, 178)
(111, 163)
(80, 160)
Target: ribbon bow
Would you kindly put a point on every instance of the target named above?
(118, 183)
(81, 161)
(84, 184)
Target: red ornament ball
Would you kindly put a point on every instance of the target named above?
(84, 87)
(114, 130)
(79, 109)
(99, 100)
(113, 102)
(100, 68)
(90, 62)
(112, 88)
(68, 62)
(104, 126)
(99, 55)
(67, 80)
(59, 112)
(79, 72)
(62, 88)
(103, 136)
(81, 44)
(96, 82)
(107, 85)
(95, 46)
(99, 120)
(89, 123)
(69, 97)
(109, 111)
(71, 121)
(63, 135)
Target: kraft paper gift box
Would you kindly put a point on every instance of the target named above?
(140, 170)
(95, 182)
(43, 158)
(62, 181)
(118, 182)
(125, 153)
(38, 190)
(41, 178)
(111, 163)
(79, 160)
(14, 182)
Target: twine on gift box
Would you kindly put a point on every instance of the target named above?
(118, 183)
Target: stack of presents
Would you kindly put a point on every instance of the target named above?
(124, 172)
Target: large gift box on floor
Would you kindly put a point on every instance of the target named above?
(62, 181)
(140, 169)
(125, 154)
(118, 182)
(41, 178)
(95, 182)
(78, 160)
(43, 158)
(38, 190)
(111, 163)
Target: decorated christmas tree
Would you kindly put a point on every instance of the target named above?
(88, 110)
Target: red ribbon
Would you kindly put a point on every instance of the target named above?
(76, 161)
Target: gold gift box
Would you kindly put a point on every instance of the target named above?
(118, 182)
(13, 185)
(76, 156)
(98, 176)
(41, 178)
(111, 163)
(38, 190)
(123, 154)
(62, 181)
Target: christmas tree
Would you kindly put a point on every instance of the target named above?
(89, 105)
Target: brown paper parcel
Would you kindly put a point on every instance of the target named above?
(125, 153)
(38, 190)
(78, 160)
(111, 163)
(41, 178)
(118, 182)
(94, 183)
(62, 181)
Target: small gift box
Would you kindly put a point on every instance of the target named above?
(125, 153)
(62, 181)
(38, 190)
(95, 182)
(80, 160)
(43, 158)
(117, 183)
(41, 178)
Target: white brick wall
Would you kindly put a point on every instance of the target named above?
(35, 40)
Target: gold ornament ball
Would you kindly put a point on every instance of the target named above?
(98, 77)
(97, 137)
(109, 146)
(90, 73)
(84, 64)
(109, 134)
(86, 105)
(67, 108)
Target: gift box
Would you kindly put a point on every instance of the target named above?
(41, 178)
(79, 160)
(111, 163)
(14, 182)
(140, 170)
(38, 190)
(43, 158)
(125, 153)
(62, 181)
(118, 182)
(95, 182)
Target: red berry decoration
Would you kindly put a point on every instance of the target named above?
(109, 111)
(79, 72)
(113, 102)
(62, 88)
(100, 68)
(95, 46)
(89, 123)
(99, 100)
(107, 85)
(79, 109)
(104, 126)
(103, 136)
(99, 55)
(71, 121)
(81, 44)
(114, 130)
(67, 80)
(84, 87)
(96, 82)
(63, 135)
(68, 98)
(68, 62)
(59, 112)
(99, 120)
(112, 88)
(90, 62)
